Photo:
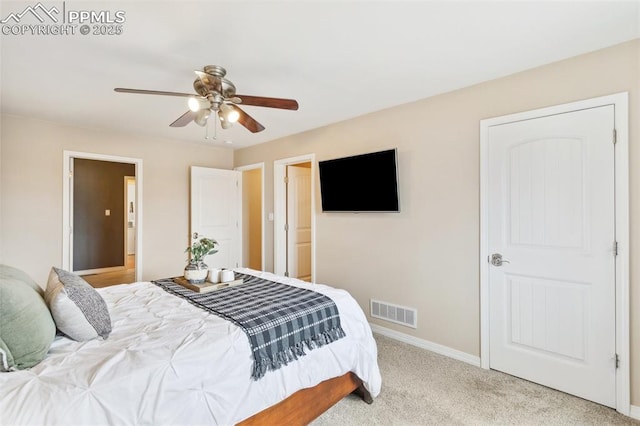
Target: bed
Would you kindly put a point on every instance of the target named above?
(169, 362)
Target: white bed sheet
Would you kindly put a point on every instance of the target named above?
(168, 362)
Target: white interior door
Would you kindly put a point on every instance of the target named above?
(551, 216)
(299, 222)
(216, 212)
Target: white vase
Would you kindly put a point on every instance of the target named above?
(196, 272)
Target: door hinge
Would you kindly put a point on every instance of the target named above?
(286, 227)
(615, 248)
(70, 174)
(286, 179)
(615, 136)
(286, 274)
(617, 361)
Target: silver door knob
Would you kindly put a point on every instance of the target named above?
(496, 259)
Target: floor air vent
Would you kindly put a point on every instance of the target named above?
(394, 313)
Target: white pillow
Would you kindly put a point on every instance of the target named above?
(76, 307)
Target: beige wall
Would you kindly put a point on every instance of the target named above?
(427, 256)
(31, 198)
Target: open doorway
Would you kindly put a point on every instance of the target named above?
(101, 218)
(294, 227)
(253, 216)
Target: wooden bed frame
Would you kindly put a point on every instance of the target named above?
(304, 406)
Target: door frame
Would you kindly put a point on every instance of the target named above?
(620, 102)
(67, 201)
(280, 212)
(262, 209)
(127, 179)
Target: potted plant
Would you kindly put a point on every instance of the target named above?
(196, 270)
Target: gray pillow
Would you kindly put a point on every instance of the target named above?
(26, 326)
(77, 308)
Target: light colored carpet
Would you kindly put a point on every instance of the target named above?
(423, 388)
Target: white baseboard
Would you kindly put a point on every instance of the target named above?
(425, 344)
(635, 412)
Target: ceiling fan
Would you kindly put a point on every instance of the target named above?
(216, 95)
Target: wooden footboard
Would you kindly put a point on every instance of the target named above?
(307, 404)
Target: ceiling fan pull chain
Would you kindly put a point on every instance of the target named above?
(215, 130)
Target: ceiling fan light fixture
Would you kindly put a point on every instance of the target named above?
(194, 105)
(229, 113)
(225, 124)
(201, 117)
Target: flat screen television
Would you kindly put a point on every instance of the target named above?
(361, 183)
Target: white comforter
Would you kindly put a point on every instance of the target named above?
(168, 362)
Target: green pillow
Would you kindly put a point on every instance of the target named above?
(17, 275)
(26, 327)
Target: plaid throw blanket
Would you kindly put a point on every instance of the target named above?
(280, 321)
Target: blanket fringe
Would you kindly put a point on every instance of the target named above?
(293, 353)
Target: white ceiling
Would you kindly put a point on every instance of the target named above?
(338, 59)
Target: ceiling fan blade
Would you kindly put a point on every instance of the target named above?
(184, 119)
(269, 102)
(156, 92)
(247, 121)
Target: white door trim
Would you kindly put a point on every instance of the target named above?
(67, 241)
(127, 179)
(620, 102)
(280, 212)
(261, 167)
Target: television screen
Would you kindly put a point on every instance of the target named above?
(362, 183)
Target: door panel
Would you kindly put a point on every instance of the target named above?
(551, 216)
(548, 315)
(216, 213)
(546, 192)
